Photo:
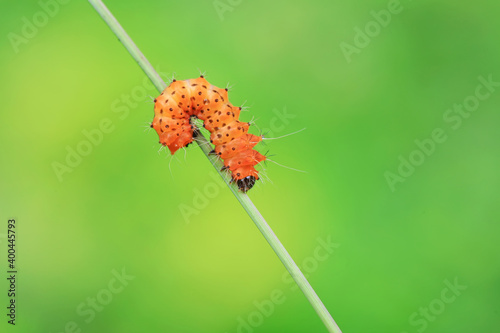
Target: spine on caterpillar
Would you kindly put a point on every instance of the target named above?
(183, 100)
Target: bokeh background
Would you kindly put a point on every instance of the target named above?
(122, 207)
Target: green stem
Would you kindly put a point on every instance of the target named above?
(244, 200)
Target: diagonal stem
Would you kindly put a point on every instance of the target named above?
(244, 200)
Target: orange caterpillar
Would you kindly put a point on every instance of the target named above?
(183, 100)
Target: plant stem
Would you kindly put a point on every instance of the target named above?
(244, 200)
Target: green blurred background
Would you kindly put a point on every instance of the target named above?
(120, 208)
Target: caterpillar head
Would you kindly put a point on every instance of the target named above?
(245, 177)
(246, 183)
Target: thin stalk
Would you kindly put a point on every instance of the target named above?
(244, 200)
